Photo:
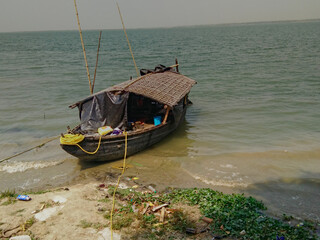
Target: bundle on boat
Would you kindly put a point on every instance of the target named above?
(147, 108)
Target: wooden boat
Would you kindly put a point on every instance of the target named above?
(132, 107)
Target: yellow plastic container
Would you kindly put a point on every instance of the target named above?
(104, 130)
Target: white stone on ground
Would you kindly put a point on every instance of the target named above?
(22, 237)
(106, 235)
(59, 199)
(46, 213)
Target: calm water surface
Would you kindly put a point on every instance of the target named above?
(253, 127)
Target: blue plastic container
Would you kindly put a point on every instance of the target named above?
(157, 120)
(24, 198)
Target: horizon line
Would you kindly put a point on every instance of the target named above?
(178, 26)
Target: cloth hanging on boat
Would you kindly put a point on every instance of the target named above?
(104, 109)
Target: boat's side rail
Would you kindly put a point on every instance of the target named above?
(129, 134)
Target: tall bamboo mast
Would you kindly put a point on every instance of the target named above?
(95, 70)
(84, 50)
(125, 32)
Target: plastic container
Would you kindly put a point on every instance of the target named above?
(157, 120)
(104, 130)
(24, 198)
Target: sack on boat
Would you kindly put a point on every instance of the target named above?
(104, 130)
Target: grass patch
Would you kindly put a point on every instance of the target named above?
(18, 211)
(234, 215)
(49, 204)
(8, 194)
(38, 192)
(9, 202)
(180, 222)
(104, 200)
(86, 224)
(30, 222)
(123, 221)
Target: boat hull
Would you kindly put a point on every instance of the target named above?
(113, 147)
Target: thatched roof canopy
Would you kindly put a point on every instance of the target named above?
(164, 87)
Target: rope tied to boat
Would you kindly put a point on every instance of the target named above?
(28, 150)
(75, 139)
(118, 182)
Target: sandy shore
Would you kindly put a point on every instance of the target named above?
(57, 214)
(71, 212)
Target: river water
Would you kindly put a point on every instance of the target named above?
(253, 127)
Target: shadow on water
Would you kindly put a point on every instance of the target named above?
(298, 196)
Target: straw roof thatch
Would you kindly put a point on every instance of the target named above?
(164, 87)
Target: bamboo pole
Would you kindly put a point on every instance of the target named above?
(177, 65)
(95, 70)
(124, 29)
(166, 116)
(84, 50)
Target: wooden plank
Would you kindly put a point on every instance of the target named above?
(163, 211)
(159, 207)
(146, 209)
(177, 65)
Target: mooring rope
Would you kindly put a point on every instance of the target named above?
(94, 152)
(75, 139)
(28, 150)
(115, 189)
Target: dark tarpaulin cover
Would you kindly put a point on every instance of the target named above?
(105, 109)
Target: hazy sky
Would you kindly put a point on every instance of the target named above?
(36, 15)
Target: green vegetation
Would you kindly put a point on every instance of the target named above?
(86, 224)
(105, 200)
(8, 194)
(123, 221)
(37, 192)
(233, 215)
(9, 201)
(18, 211)
(30, 222)
(48, 204)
